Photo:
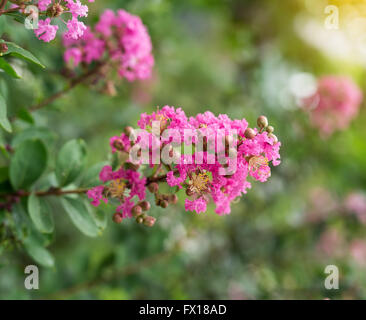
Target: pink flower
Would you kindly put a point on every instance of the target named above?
(43, 4)
(355, 203)
(334, 105)
(321, 204)
(76, 8)
(106, 174)
(96, 194)
(122, 37)
(46, 31)
(73, 56)
(75, 29)
(331, 243)
(358, 251)
(199, 205)
(90, 48)
(123, 141)
(56, 9)
(219, 172)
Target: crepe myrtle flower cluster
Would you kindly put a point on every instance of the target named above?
(121, 40)
(55, 9)
(334, 105)
(223, 154)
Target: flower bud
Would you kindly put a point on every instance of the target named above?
(3, 48)
(132, 166)
(189, 192)
(136, 211)
(153, 187)
(128, 131)
(249, 133)
(149, 221)
(270, 129)
(262, 122)
(164, 204)
(140, 219)
(55, 10)
(117, 217)
(118, 145)
(110, 89)
(273, 137)
(173, 199)
(145, 205)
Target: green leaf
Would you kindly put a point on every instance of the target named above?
(99, 215)
(17, 16)
(27, 163)
(15, 50)
(4, 91)
(40, 213)
(25, 115)
(38, 252)
(4, 122)
(70, 161)
(101, 218)
(4, 174)
(91, 176)
(80, 216)
(4, 65)
(47, 136)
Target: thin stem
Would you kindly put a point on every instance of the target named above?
(61, 93)
(158, 178)
(49, 192)
(114, 275)
(9, 10)
(60, 192)
(2, 6)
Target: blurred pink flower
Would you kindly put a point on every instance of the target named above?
(331, 243)
(355, 203)
(321, 204)
(336, 101)
(357, 251)
(121, 37)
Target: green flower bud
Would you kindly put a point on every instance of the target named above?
(270, 129)
(262, 122)
(3, 48)
(249, 133)
(117, 217)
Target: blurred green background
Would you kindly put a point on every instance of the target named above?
(226, 56)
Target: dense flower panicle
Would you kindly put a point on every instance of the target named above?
(122, 38)
(334, 105)
(46, 31)
(202, 173)
(87, 49)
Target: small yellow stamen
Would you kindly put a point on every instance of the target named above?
(117, 188)
(257, 162)
(199, 183)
